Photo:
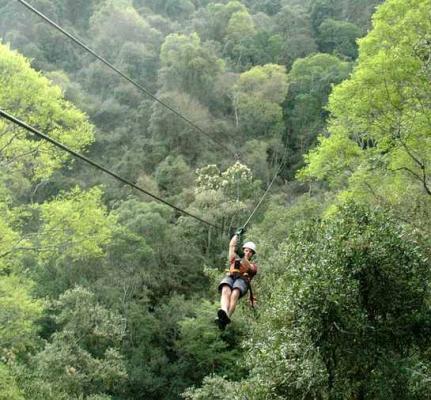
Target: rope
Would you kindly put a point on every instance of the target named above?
(266, 191)
(123, 75)
(41, 135)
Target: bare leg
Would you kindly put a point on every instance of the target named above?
(233, 300)
(225, 298)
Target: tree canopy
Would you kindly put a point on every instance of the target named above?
(106, 293)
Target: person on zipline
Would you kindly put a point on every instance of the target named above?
(237, 281)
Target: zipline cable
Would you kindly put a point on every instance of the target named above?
(123, 75)
(41, 135)
(266, 192)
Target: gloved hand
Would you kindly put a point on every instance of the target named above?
(240, 231)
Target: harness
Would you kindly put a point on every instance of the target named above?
(236, 273)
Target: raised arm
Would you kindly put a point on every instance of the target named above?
(232, 247)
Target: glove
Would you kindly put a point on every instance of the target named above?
(240, 231)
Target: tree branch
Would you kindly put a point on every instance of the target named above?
(422, 178)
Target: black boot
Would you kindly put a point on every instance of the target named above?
(223, 317)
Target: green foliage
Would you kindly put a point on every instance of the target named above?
(75, 225)
(240, 25)
(239, 31)
(173, 174)
(346, 306)
(310, 82)
(18, 314)
(322, 10)
(354, 11)
(173, 135)
(165, 267)
(202, 350)
(8, 387)
(81, 316)
(235, 182)
(82, 357)
(31, 97)
(130, 27)
(175, 9)
(294, 27)
(280, 221)
(130, 303)
(10, 235)
(213, 387)
(189, 66)
(338, 37)
(257, 97)
(219, 16)
(379, 144)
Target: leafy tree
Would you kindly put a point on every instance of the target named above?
(35, 39)
(75, 225)
(294, 26)
(358, 12)
(269, 7)
(379, 143)
(173, 135)
(130, 27)
(82, 357)
(8, 387)
(9, 230)
(175, 9)
(338, 37)
(281, 221)
(322, 10)
(213, 387)
(202, 350)
(172, 268)
(189, 66)
(260, 49)
(31, 97)
(239, 29)
(218, 19)
(173, 174)
(257, 98)
(310, 83)
(346, 306)
(18, 314)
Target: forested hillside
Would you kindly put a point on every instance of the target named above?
(108, 293)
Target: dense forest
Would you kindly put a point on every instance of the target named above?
(107, 293)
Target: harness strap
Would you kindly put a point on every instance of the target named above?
(235, 271)
(251, 295)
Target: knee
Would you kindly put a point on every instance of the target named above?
(236, 293)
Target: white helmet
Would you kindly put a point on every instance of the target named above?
(250, 245)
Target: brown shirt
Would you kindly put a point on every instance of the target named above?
(247, 270)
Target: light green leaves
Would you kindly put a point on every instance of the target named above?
(257, 97)
(380, 117)
(75, 226)
(18, 312)
(29, 96)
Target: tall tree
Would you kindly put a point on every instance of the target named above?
(310, 83)
(338, 37)
(379, 142)
(257, 99)
(189, 66)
